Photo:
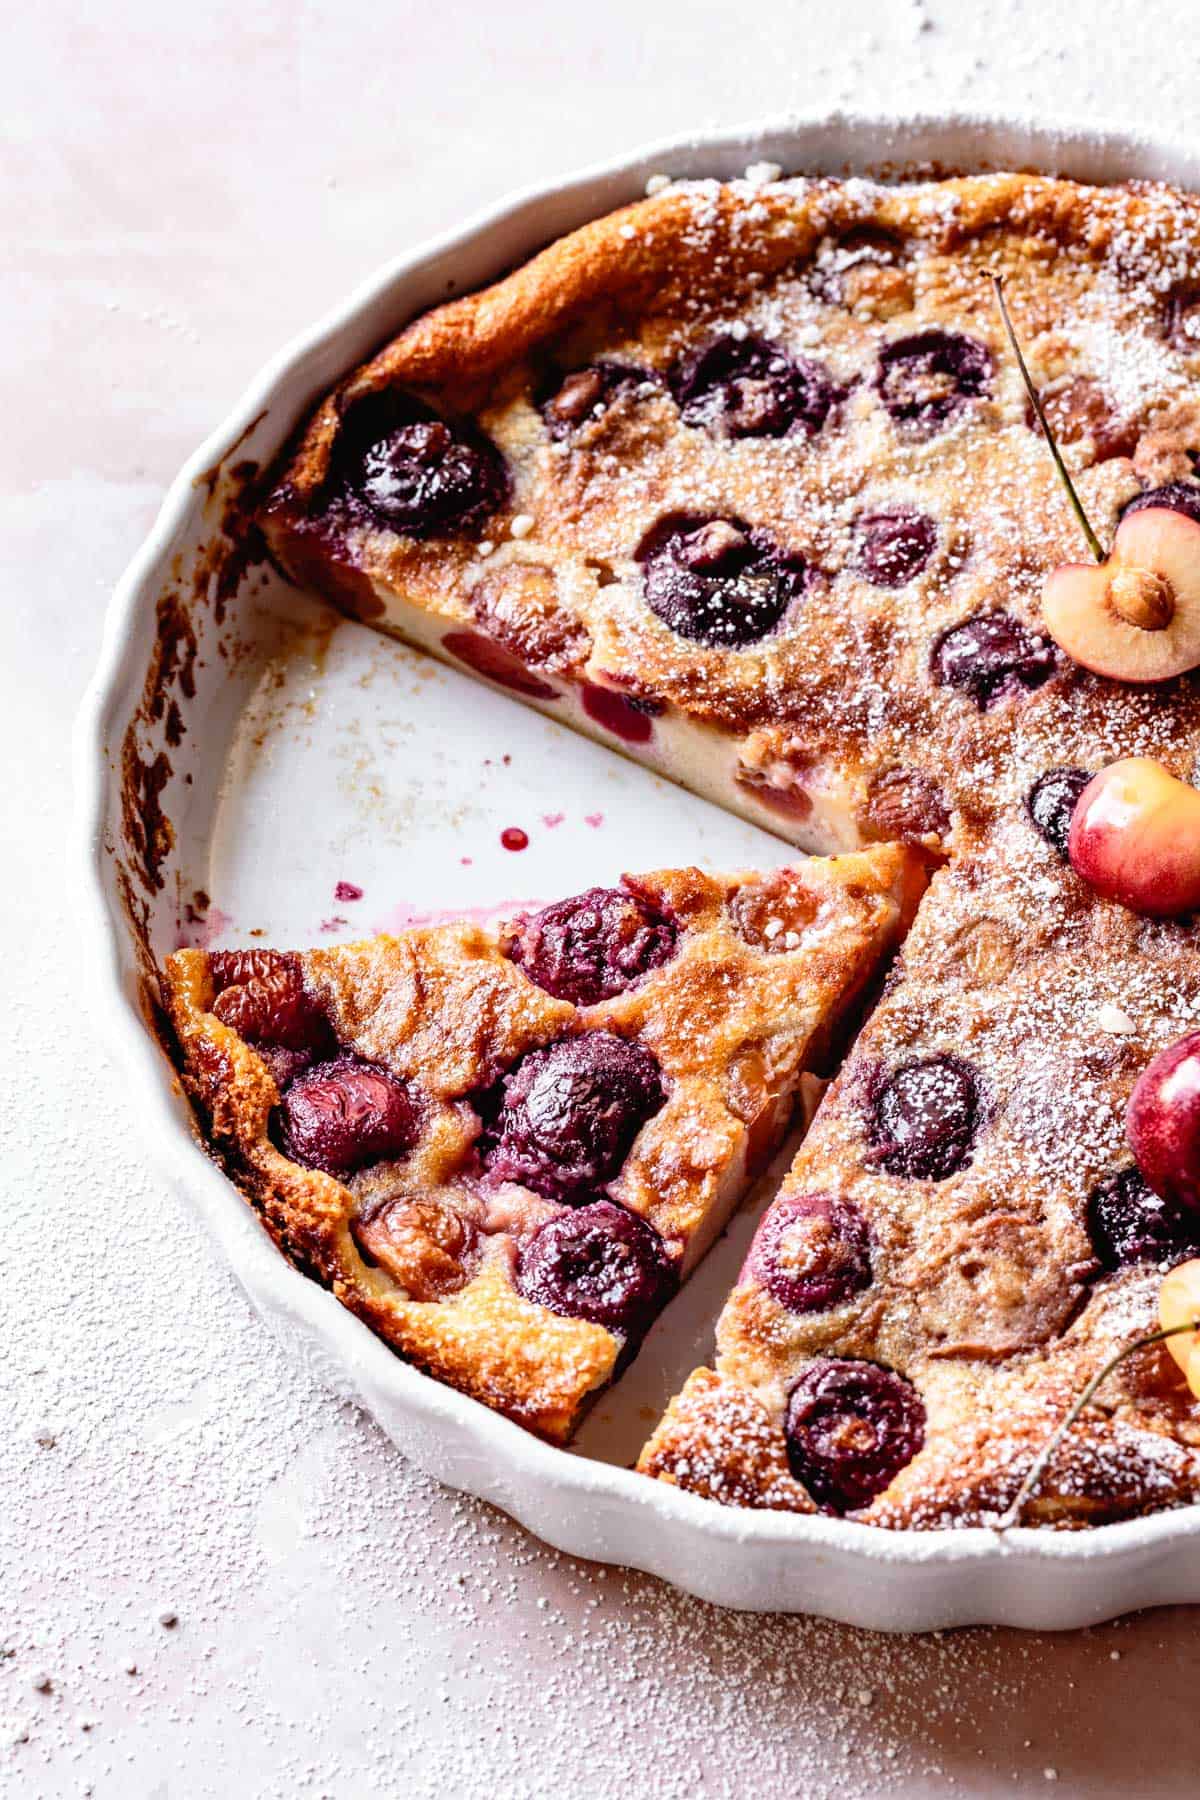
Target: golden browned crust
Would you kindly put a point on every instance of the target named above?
(733, 1022)
(840, 696)
(707, 245)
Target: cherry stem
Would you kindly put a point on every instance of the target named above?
(1012, 1513)
(1094, 544)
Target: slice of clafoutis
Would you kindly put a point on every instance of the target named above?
(964, 1238)
(504, 1148)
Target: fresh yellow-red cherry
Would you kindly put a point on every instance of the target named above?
(1179, 1304)
(1135, 838)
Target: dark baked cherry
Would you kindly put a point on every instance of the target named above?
(563, 1120)
(1174, 496)
(924, 1118)
(628, 716)
(423, 1244)
(420, 474)
(993, 656)
(592, 946)
(925, 379)
(835, 275)
(908, 803)
(716, 580)
(1181, 319)
(1129, 1223)
(600, 1263)
(344, 1114)
(750, 387)
(812, 1251)
(851, 1427)
(893, 546)
(584, 393)
(495, 663)
(260, 994)
(1051, 803)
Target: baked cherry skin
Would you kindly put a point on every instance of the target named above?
(811, 1252)
(564, 1119)
(926, 379)
(1172, 496)
(261, 995)
(850, 1428)
(420, 474)
(993, 657)
(717, 581)
(1051, 804)
(1082, 409)
(572, 400)
(750, 387)
(832, 276)
(423, 1243)
(601, 1263)
(592, 946)
(343, 1115)
(893, 546)
(924, 1118)
(1129, 1223)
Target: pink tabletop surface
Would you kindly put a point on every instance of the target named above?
(216, 1580)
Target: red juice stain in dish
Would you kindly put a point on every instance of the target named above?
(513, 838)
(347, 890)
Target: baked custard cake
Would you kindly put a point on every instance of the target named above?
(964, 1236)
(504, 1148)
(749, 481)
(742, 480)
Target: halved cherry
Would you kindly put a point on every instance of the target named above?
(1135, 616)
(1179, 1305)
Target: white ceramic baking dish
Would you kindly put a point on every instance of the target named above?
(296, 752)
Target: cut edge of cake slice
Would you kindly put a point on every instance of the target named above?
(504, 1148)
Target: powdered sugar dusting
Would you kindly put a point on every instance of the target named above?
(404, 915)
(188, 1467)
(270, 1560)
